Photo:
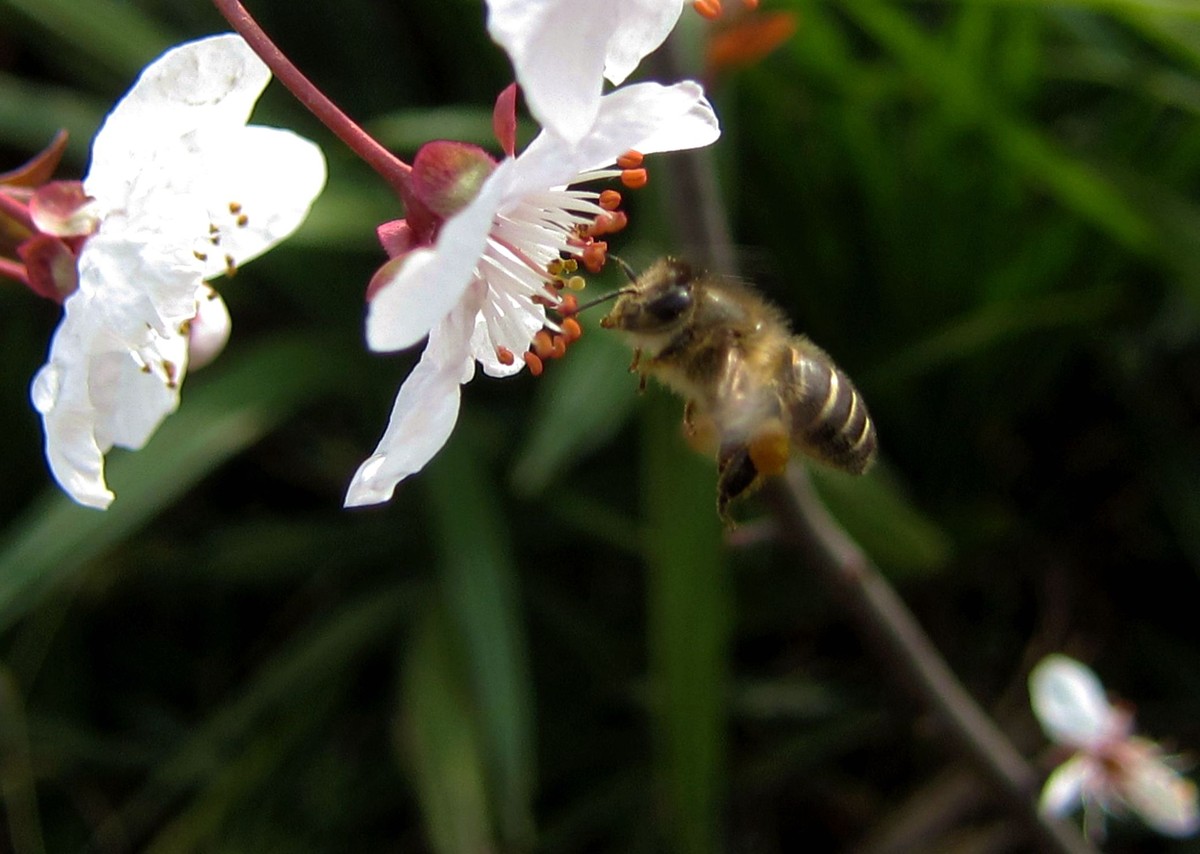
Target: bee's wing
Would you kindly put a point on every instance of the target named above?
(746, 398)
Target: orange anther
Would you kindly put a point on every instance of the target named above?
(560, 347)
(630, 160)
(710, 9)
(571, 329)
(533, 363)
(610, 200)
(750, 4)
(569, 305)
(505, 355)
(594, 256)
(542, 345)
(634, 178)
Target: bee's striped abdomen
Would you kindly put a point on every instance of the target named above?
(829, 418)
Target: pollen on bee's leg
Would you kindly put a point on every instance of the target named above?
(533, 363)
(771, 449)
(505, 356)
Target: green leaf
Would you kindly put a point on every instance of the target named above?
(242, 399)
(689, 627)
(438, 732)
(115, 35)
(481, 589)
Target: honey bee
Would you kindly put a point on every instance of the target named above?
(755, 391)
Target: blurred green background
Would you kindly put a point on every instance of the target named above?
(987, 211)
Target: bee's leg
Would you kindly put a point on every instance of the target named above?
(699, 429)
(736, 476)
(637, 358)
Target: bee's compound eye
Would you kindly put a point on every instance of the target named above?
(671, 304)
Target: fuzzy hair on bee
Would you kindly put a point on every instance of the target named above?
(755, 391)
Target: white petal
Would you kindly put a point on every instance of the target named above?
(431, 281)
(209, 330)
(255, 184)
(1069, 701)
(423, 415)
(642, 25)
(1064, 790)
(1164, 799)
(207, 83)
(557, 48)
(646, 117)
(92, 393)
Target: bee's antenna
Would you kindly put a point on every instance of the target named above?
(600, 300)
(625, 268)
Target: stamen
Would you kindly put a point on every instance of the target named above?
(235, 208)
(635, 179)
(571, 329)
(609, 222)
(542, 345)
(630, 159)
(242, 220)
(230, 267)
(200, 256)
(172, 372)
(569, 304)
(750, 4)
(533, 363)
(576, 283)
(505, 355)
(594, 255)
(710, 9)
(559, 347)
(610, 200)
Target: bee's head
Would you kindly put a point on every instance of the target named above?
(660, 301)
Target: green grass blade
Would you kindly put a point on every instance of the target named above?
(481, 589)
(689, 626)
(438, 733)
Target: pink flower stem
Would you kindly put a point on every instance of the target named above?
(17, 210)
(13, 270)
(394, 170)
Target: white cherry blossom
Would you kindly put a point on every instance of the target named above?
(478, 290)
(181, 190)
(562, 49)
(1111, 769)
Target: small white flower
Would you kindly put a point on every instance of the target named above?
(479, 290)
(1111, 769)
(562, 49)
(182, 190)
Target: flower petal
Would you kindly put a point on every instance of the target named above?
(641, 26)
(1163, 798)
(92, 393)
(647, 117)
(557, 48)
(1069, 701)
(423, 415)
(256, 184)
(431, 281)
(212, 82)
(1064, 790)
